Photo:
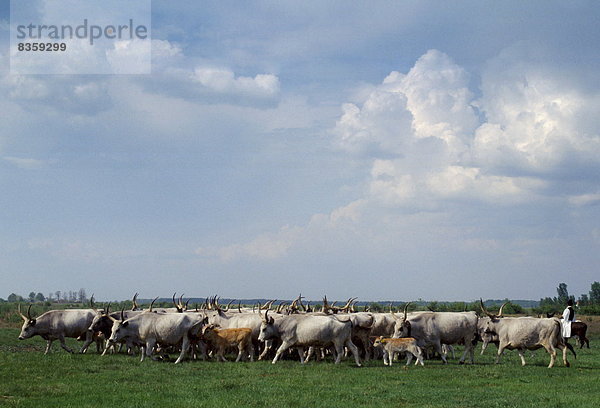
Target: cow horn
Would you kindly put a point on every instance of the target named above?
(485, 310)
(185, 306)
(405, 310)
(29, 312)
(265, 318)
(106, 310)
(229, 304)
(152, 304)
(92, 303)
(123, 314)
(176, 305)
(240, 306)
(501, 307)
(21, 314)
(134, 305)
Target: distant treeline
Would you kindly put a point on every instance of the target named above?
(587, 304)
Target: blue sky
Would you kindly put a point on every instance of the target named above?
(385, 150)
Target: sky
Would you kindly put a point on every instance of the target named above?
(385, 150)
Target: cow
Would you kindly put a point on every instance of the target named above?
(391, 346)
(222, 339)
(58, 324)
(103, 322)
(306, 330)
(579, 329)
(437, 328)
(165, 329)
(525, 333)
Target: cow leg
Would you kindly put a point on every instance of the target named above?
(552, 351)
(266, 349)
(311, 351)
(48, 345)
(284, 346)
(354, 351)
(241, 350)
(300, 351)
(501, 348)
(150, 344)
(89, 337)
(522, 355)
(409, 357)
(251, 351)
(63, 344)
(438, 348)
(419, 356)
(185, 345)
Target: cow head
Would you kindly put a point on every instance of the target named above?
(267, 329)
(28, 329)
(487, 325)
(102, 322)
(207, 329)
(402, 325)
(120, 329)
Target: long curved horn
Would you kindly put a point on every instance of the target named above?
(152, 304)
(123, 314)
(405, 310)
(176, 305)
(502, 307)
(229, 304)
(29, 312)
(185, 306)
(485, 310)
(21, 314)
(134, 305)
(107, 309)
(92, 306)
(240, 306)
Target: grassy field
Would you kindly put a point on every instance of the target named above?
(30, 379)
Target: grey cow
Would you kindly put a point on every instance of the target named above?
(57, 325)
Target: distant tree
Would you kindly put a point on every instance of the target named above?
(50, 297)
(57, 293)
(40, 297)
(595, 294)
(584, 300)
(31, 297)
(13, 297)
(563, 293)
(82, 297)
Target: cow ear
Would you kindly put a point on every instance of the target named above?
(125, 324)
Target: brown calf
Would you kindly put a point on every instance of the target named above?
(391, 346)
(221, 339)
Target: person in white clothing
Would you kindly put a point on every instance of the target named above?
(568, 316)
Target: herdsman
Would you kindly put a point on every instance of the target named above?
(568, 316)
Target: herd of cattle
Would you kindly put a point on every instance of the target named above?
(213, 330)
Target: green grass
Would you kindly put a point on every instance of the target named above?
(30, 379)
